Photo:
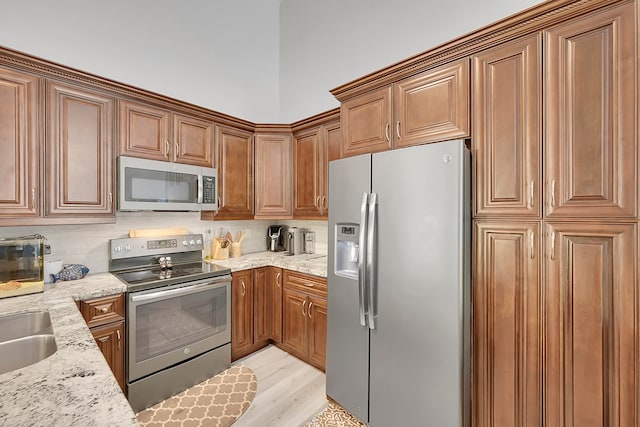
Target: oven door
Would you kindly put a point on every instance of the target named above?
(169, 325)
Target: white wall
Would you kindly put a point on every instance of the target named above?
(324, 44)
(218, 54)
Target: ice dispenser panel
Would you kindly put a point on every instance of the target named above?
(347, 249)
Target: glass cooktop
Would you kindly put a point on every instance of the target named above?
(180, 273)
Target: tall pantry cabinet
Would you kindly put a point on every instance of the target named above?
(555, 278)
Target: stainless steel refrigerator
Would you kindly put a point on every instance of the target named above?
(398, 339)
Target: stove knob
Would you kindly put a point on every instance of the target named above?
(127, 248)
(199, 241)
(192, 242)
(117, 248)
(185, 243)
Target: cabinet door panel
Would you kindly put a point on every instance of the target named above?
(590, 366)
(275, 302)
(433, 106)
(144, 131)
(111, 341)
(507, 129)
(366, 123)
(273, 176)
(294, 321)
(507, 325)
(80, 153)
(262, 308)
(590, 115)
(193, 141)
(241, 313)
(317, 313)
(234, 148)
(20, 159)
(307, 183)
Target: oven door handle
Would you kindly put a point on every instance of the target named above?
(184, 290)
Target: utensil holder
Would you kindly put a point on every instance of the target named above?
(220, 248)
(236, 249)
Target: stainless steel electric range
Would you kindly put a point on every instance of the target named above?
(178, 315)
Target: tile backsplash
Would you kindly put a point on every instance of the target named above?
(89, 244)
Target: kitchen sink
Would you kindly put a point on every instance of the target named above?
(25, 324)
(25, 339)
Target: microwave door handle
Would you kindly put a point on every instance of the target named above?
(200, 188)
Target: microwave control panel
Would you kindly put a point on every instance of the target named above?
(208, 190)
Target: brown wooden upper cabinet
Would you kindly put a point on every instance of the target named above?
(507, 129)
(234, 162)
(312, 150)
(273, 175)
(154, 133)
(79, 151)
(590, 328)
(428, 107)
(20, 191)
(590, 115)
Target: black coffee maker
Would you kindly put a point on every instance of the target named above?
(277, 238)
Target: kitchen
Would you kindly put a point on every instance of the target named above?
(497, 212)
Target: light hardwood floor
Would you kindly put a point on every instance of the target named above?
(290, 392)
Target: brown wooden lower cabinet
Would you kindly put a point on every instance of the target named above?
(591, 325)
(256, 310)
(559, 348)
(272, 305)
(304, 317)
(507, 346)
(105, 317)
(242, 291)
(110, 340)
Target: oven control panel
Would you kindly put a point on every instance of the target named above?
(144, 246)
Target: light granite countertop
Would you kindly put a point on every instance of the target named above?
(74, 386)
(315, 264)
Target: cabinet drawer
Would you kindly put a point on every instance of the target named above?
(306, 283)
(103, 310)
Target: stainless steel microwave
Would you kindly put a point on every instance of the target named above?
(163, 186)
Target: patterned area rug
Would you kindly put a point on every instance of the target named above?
(334, 416)
(216, 402)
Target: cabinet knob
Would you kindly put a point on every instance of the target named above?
(303, 304)
(104, 310)
(386, 133)
(398, 129)
(309, 310)
(278, 279)
(244, 288)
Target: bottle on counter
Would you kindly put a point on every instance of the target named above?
(207, 244)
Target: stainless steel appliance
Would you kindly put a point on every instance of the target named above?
(309, 242)
(398, 342)
(295, 243)
(155, 185)
(276, 238)
(178, 315)
(21, 265)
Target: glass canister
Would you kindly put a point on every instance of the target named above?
(21, 266)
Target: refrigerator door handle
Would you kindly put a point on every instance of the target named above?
(372, 235)
(362, 273)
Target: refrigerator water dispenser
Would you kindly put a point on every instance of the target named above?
(347, 250)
